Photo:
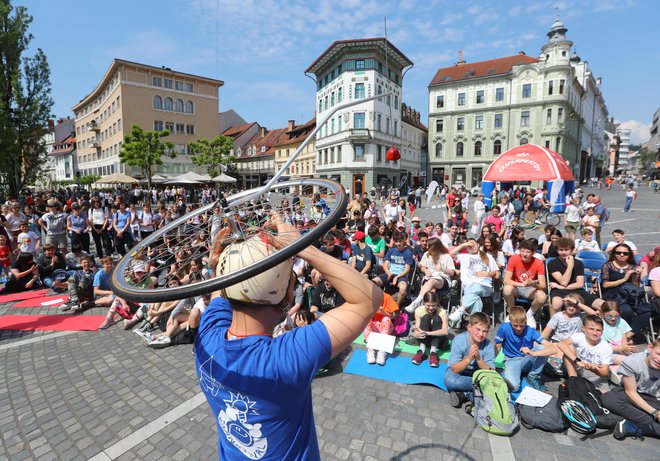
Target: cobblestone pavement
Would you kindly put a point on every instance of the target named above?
(103, 395)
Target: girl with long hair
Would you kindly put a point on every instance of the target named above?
(438, 268)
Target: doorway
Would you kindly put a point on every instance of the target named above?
(358, 184)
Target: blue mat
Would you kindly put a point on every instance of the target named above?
(398, 369)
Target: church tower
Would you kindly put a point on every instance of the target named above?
(557, 51)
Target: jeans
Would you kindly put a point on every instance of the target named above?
(528, 365)
(618, 402)
(472, 297)
(629, 201)
(458, 383)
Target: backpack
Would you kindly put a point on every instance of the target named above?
(548, 418)
(582, 390)
(517, 206)
(606, 215)
(493, 409)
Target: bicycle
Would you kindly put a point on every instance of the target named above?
(545, 216)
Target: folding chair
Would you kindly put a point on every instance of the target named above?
(593, 265)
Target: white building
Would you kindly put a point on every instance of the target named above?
(413, 147)
(63, 157)
(352, 145)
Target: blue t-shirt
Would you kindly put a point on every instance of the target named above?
(399, 259)
(512, 342)
(102, 279)
(122, 218)
(460, 347)
(259, 387)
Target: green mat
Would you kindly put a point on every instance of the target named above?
(401, 346)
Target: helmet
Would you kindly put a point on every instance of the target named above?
(582, 420)
(267, 288)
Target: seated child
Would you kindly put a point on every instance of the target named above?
(587, 355)
(381, 322)
(470, 351)
(159, 312)
(586, 243)
(639, 400)
(525, 350)
(430, 329)
(103, 295)
(81, 287)
(616, 332)
(564, 324)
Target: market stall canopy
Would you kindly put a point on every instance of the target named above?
(529, 162)
(180, 180)
(117, 178)
(224, 178)
(194, 176)
(155, 179)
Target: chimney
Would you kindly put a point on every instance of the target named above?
(461, 60)
(51, 124)
(263, 131)
(522, 53)
(292, 124)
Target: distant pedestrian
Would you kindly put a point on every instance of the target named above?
(630, 196)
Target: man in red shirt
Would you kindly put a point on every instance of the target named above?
(451, 197)
(525, 278)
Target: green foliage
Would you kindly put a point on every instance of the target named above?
(144, 149)
(25, 101)
(91, 179)
(213, 154)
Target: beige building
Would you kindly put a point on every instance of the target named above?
(156, 98)
(304, 165)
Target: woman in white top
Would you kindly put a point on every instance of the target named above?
(438, 268)
(510, 246)
(479, 211)
(100, 224)
(392, 211)
(146, 221)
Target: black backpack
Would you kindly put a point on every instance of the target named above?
(584, 391)
(548, 418)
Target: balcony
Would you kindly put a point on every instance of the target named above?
(96, 144)
(358, 134)
(94, 126)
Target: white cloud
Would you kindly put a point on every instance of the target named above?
(639, 131)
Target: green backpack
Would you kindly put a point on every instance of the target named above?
(493, 409)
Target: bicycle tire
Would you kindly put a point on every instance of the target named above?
(553, 219)
(122, 288)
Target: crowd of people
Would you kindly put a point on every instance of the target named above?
(439, 280)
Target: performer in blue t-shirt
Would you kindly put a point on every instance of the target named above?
(259, 387)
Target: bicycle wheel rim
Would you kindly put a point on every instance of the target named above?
(121, 287)
(553, 218)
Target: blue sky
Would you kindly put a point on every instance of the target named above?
(260, 48)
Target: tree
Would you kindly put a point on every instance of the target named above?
(144, 149)
(215, 154)
(25, 102)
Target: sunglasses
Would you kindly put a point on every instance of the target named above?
(621, 253)
(612, 317)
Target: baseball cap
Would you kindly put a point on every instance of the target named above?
(139, 267)
(400, 224)
(416, 219)
(358, 236)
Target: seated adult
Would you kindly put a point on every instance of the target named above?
(52, 268)
(646, 261)
(438, 268)
(397, 266)
(180, 328)
(478, 269)
(549, 248)
(639, 400)
(619, 237)
(23, 275)
(525, 278)
(566, 277)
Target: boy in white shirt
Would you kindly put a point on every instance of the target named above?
(619, 237)
(586, 243)
(572, 220)
(28, 241)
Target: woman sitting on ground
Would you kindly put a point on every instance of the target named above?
(438, 268)
(23, 276)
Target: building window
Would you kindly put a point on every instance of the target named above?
(169, 104)
(379, 120)
(497, 147)
(387, 124)
(157, 81)
(524, 141)
(498, 121)
(332, 99)
(359, 152)
(527, 90)
(479, 122)
(325, 103)
(524, 118)
(359, 63)
(499, 94)
(189, 87)
(459, 149)
(396, 101)
(396, 127)
(562, 82)
(180, 128)
(178, 85)
(461, 99)
(168, 83)
(339, 123)
(359, 120)
(480, 96)
(550, 87)
(190, 129)
(179, 105)
(332, 126)
(339, 154)
(190, 107)
(169, 126)
(440, 101)
(359, 90)
(547, 144)
(340, 95)
(548, 117)
(439, 125)
(438, 150)
(320, 105)
(158, 102)
(557, 144)
(477, 149)
(460, 123)
(560, 115)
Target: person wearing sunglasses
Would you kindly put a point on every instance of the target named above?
(620, 279)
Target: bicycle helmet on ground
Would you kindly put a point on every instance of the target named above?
(581, 419)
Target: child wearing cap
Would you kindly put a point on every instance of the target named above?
(363, 257)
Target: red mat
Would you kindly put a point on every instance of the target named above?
(23, 295)
(51, 322)
(38, 302)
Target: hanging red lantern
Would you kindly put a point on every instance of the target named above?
(393, 154)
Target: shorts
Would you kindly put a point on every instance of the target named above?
(383, 277)
(525, 292)
(57, 240)
(589, 298)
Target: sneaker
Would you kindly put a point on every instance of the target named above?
(531, 321)
(76, 308)
(87, 304)
(144, 336)
(371, 356)
(625, 428)
(535, 383)
(381, 356)
(457, 399)
(413, 306)
(160, 342)
(433, 360)
(538, 222)
(65, 307)
(615, 378)
(418, 358)
(456, 315)
(141, 329)
(106, 323)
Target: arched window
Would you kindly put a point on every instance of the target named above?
(158, 102)
(190, 107)
(459, 149)
(524, 141)
(438, 150)
(497, 147)
(179, 105)
(169, 104)
(477, 148)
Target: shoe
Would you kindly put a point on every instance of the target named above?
(457, 399)
(160, 342)
(456, 315)
(106, 323)
(538, 222)
(144, 336)
(76, 308)
(531, 321)
(65, 307)
(142, 329)
(371, 356)
(625, 428)
(418, 358)
(535, 383)
(87, 304)
(410, 308)
(433, 360)
(615, 378)
(381, 356)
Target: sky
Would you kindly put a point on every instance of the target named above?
(261, 48)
